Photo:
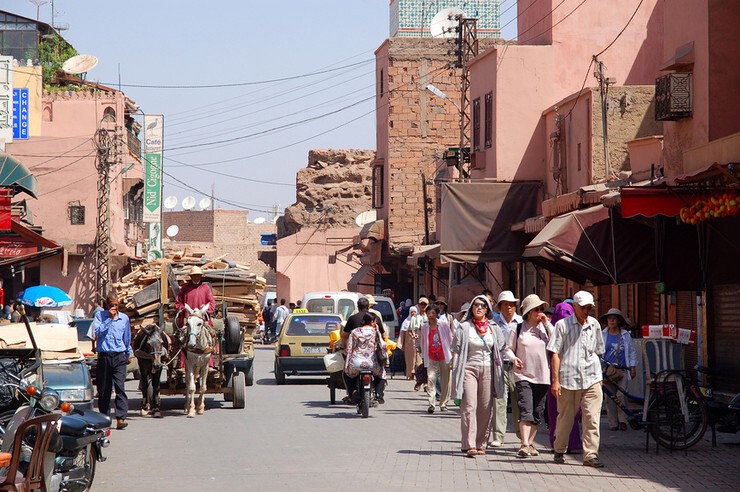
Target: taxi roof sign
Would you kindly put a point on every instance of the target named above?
(300, 310)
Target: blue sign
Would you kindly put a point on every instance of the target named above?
(20, 114)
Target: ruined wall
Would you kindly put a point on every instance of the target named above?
(630, 115)
(333, 189)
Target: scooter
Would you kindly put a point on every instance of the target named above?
(77, 446)
(723, 416)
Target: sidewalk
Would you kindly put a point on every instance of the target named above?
(439, 464)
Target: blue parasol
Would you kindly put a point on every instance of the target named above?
(44, 296)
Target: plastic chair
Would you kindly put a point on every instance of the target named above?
(43, 427)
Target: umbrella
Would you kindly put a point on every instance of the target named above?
(44, 296)
(13, 174)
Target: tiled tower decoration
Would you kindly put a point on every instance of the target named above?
(411, 18)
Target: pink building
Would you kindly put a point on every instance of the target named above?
(63, 160)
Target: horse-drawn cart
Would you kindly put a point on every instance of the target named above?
(230, 347)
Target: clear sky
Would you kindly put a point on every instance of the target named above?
(260, 131)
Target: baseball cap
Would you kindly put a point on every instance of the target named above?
(583, 298)
(423, 300)
(370, 299)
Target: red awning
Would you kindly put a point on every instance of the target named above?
(650, 202)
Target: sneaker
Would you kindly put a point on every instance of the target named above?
(496, 444)
(593, 462)
(559, 458)
(533, 450)
(523, 452)
(430, 409)
(442, 409)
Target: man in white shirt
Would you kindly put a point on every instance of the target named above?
(576, 344)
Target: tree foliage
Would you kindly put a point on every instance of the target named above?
(53, 52)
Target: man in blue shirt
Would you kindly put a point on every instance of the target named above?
(112, 334)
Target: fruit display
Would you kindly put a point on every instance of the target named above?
(709, 207)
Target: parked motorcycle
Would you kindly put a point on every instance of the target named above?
(77, 446)
(723, 416)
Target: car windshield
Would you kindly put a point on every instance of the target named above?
(310, 326)
(386, 309)
(61, 376)
(83, 326)
(320, 305)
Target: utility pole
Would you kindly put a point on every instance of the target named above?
(105, 146)
(604, 83)
(467, 49)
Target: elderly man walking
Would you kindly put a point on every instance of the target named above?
(506, 319)
(576, 344)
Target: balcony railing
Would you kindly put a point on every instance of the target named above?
(673, 97)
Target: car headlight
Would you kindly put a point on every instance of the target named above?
(49, 399)
(76, 395)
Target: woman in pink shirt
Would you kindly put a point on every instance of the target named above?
(526, 348)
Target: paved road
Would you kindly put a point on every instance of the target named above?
(290, 437)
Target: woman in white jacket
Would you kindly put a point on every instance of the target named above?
(436, 343)
(620, 350)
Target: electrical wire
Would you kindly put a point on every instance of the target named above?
(55, 170)
(235, 84)
(235, 176)
(620, 32)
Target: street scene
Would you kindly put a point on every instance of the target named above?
(412, 244)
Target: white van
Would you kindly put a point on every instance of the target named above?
(345, 304)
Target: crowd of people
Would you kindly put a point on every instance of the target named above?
(546, 361)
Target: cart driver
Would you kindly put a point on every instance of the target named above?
(196, 293)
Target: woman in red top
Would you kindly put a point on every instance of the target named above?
(436, 340)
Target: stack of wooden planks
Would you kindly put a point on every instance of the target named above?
(141, 291)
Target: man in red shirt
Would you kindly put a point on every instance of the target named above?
(195, 293)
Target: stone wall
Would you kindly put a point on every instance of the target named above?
(332, 190)
(630, 115)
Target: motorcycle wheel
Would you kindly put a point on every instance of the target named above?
(365, 404)
(4, 421)
(87, 459)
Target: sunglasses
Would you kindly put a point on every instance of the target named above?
(479, 305)
(539, 309)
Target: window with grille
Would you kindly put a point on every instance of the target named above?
(476, 125)
(77, 214)
(489, 120)
(378, 173)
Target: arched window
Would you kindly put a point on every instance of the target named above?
(109, 115)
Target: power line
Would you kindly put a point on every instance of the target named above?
(235, 176)
(620, 32)
(236, 84)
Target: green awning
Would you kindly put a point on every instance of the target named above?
(13, 174)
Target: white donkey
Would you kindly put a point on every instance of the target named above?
(198, 348)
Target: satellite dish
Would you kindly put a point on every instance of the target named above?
(79, 64)
(172, 231)
(170, 202)
(260, 220)
(188, 202)
(444, 23)
(204, 203)
(366, 218)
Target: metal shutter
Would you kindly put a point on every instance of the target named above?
(724, 336)
(686, 318)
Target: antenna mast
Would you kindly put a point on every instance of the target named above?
(467, 49)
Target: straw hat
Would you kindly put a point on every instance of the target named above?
(613, 312)
(442, 300)
(530, 302)
(196, 271)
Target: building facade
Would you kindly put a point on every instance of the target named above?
(412, 18)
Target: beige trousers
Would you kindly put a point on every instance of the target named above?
(409, 354)
(476, 407)
(613, 412)
(442, 370)
(590, 401)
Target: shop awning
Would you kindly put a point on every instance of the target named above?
(430, 250)
(13, 174)
(652, 201)
(477, 217)
(596, 244)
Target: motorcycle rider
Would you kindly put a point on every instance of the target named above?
(361, 354)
